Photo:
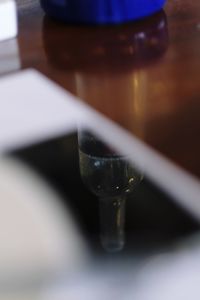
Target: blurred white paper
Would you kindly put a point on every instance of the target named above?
(8, 19)
(9, 56)
(33, 109)
(38, 235)
(171, 276)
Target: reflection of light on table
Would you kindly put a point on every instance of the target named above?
(121, 97)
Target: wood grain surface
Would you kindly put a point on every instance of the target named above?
(143, 75)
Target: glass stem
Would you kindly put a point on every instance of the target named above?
(112, 216)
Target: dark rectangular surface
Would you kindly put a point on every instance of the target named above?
(152, 220)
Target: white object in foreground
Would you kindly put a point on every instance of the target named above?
(38, 235)
(8, 19)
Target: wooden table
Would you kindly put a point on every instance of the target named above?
(144, 75)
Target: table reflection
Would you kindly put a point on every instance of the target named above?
(104, 66)
(111, 177)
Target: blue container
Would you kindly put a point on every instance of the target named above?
(100, 11)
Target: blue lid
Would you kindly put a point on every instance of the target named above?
(100, 11)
